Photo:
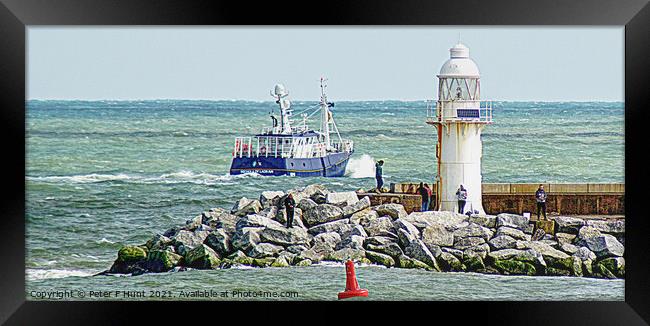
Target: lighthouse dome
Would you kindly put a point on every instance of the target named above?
(459, 63)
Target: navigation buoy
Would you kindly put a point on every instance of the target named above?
(351, 285)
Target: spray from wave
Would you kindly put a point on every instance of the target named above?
(363, 167)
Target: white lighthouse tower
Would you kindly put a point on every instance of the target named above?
(459, 117)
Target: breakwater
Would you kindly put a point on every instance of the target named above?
(338, 226)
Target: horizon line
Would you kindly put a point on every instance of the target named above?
(302, 100)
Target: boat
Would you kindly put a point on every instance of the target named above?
(294, 150)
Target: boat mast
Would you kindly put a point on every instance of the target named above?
(281, 96)
(325, 114)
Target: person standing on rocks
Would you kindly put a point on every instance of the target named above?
(461, 195)
(540, 196)
(378, 174)
(289, 204)
(425, 197)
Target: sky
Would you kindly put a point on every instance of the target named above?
(360, 63)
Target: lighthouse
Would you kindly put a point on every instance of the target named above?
(459, 117)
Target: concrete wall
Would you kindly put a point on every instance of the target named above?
(411, 203)
(569, 199)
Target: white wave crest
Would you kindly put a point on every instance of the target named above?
(363, 167)
(175, 177)
(83, 178)
(40, 274)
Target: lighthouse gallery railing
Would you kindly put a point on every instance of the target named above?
(463, 110)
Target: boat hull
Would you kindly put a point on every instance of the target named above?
(332, 165)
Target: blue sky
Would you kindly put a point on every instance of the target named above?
(361, 63)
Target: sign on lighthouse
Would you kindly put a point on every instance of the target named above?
(459, 118)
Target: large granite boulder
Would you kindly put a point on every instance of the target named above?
(472, 261)
(612, 267)
(378, 241)
(502, 242)
(404, 261)
(345, 254)
(267, 198)
(416, 249)
(185, 241)
(472, 230)
(221, 219)
(568, 248)
(245, 238)
(518, 262)
(449, 263)
(322, 214)
(391, 248)
(330, 239)
(465, 243)
(555, 259)
(316, 253)
(564, 237)
(158, 242)
(285, 236)
(567, 224)
(605, 245)
(131, 254)
(306, 204)
(406, 231)
(339, 226)
(512, 232)
(202, 257)
(512, 220)
(614, 227)
(351, 241)
(219, 241)
(584, 234)
(346, 198)
(395, 211)
(380, 258)
(451, 220)
(245, 206)
(363, 217)
(382, 226)
(437, 234)
(162, 261)
(358, 206)
(263, 250)
(255, 220)
(482, 250)
(315, 191)
(488, 221)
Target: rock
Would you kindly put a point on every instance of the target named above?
(281, 217)
(338, 226)
(322, 214)
(378, 241)
(614, 227)
(391, 249)
(473, 262)
(585, 233)
(551, 243)
(347, 198)
(418, 250)
(547, 226)
(346, 254)
(220, 219)
(185, 241)
(396, 211)
(356, 230)
(406, 231)
(512, 220)
(266, 198)
(241, 258)
(306, 204)
(449, 263)
(469, 242)
(379, 258)
(162, 261)
(263, 250)
(280, 262)
(529, 229)
(314, 190)
(564, 237)
(455, 252)
(285, 236)
(158, 242)
(568, 248)
(450, 220)
(304, 263)
(219, 241)
(611, 266)
(364, 217)
(263, 262)
(202, 257)
(351, 241)
(131, 254)
(193, 223)
(437, 234)
(585, 254)
(482, 250)
(407, 262)
(472, 230)
(566, 224)
(330, 239)
(297, 249)
(553, 257)
(360, 205)
(605, 245)
(514, 233)
(245, 206)
(255, 220)
(502, 242)
(488, 221)
(577, 267)
(538, 235)
(528, 256)
(246, 238)
(382, 226)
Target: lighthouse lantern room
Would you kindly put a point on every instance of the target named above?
(459, 117)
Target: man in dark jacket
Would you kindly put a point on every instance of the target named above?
(424, 193)
(378, 175)
(540, 196)
(289, 204)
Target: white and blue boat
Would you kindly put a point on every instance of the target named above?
(285, 149)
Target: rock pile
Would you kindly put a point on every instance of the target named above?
(337, 226)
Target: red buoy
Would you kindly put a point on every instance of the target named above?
(351, 285)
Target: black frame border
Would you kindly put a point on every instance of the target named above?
(16, 15)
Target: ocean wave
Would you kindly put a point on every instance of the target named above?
(41, 274)
(182, 176)
(363, 167)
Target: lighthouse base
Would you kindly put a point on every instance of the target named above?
(452, 206)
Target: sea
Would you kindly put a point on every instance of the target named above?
(103, 174)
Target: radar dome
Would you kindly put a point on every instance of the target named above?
(280, 90)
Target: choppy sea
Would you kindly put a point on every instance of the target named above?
(101, 174)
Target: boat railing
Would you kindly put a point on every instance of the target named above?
(243, 147)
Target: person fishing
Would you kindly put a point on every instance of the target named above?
(289, 204)
(461, 195)
(425, 197)
(540, 196)
(378, 174)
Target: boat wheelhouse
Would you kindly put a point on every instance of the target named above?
(283, 149)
